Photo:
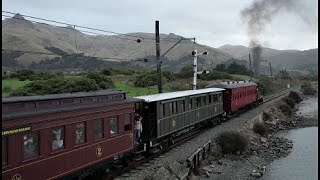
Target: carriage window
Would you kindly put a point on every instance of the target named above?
(204, 100)
(4, 150)
(127, 122)
(58, 137)
(80, 133)
(163, 110)
(174, 107)
(114, 125)
(166, 105)
(215, 98)
(98, 129)
(210, 96)
(183, 103)
(190, 103)
(199, 103)
(30, 145)
(171, 108)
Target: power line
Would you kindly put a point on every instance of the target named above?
(67, 27)
(79, 26)
(52, 54)
(68, 24)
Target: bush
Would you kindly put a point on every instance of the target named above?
(185, 72)
(285, 109)
(232, 141)
(146, 79)
(103, 80)
(307, 89)
(260, 128)
(214, 75)
(21, 92)
(265, 116)
(6, 89)
(295, 96)
(289, 101)
(106, 72)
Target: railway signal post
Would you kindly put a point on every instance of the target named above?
(195, 68)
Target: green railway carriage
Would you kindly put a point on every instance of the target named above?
(168, 114)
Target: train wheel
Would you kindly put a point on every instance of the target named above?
(171, 142)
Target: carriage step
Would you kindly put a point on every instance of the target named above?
(138, 158)
(139, 152)
(155, 145)
(154, 151)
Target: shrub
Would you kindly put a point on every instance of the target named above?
(285, 109)
(307, 89)
(146, 79)
(6, 89)
(21, 92)
(265, 116)
(232, 141)
(106, 72)
(295, 96)
(289, 101)
(99, 78)
(260, 128)
(214, 75)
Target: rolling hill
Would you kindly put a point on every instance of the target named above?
(21, 34)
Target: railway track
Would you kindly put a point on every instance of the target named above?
(196, 132)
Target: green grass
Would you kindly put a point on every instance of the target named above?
(241, 77)
(14, 84)
(138, 91)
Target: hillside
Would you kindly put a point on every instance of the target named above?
(21, 34)
(292, 59)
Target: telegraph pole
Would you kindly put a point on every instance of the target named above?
(158, 58)
(270, 70)
(195, 69)
(250, 68)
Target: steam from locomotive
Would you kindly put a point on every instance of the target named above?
(261, 12)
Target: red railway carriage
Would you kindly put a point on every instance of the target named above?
(237, 95)
(51, 136)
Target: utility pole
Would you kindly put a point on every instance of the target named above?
(250, 68)
(195, 69)
(270, 71)
(158, 58)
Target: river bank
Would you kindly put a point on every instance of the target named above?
(262, 150)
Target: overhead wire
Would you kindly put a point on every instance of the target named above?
(68, 24)
(70, 28)
(80, 26)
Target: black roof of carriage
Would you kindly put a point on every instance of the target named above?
(61, 96)
(232, 84)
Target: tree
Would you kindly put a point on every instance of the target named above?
(146, 79)
(185, 72)
(235, 68)
(103, 81)
(221, 68)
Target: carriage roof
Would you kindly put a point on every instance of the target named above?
(178, 94)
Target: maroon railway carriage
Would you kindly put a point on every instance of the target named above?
(238, 95)
(51, 136)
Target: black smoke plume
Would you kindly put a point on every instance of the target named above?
(261, 12)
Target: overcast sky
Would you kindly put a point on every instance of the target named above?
(213, 23)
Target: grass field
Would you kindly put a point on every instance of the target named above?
(13, 84)
(241, 77)
(138, 91)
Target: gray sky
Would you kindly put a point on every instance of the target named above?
(214, 23)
